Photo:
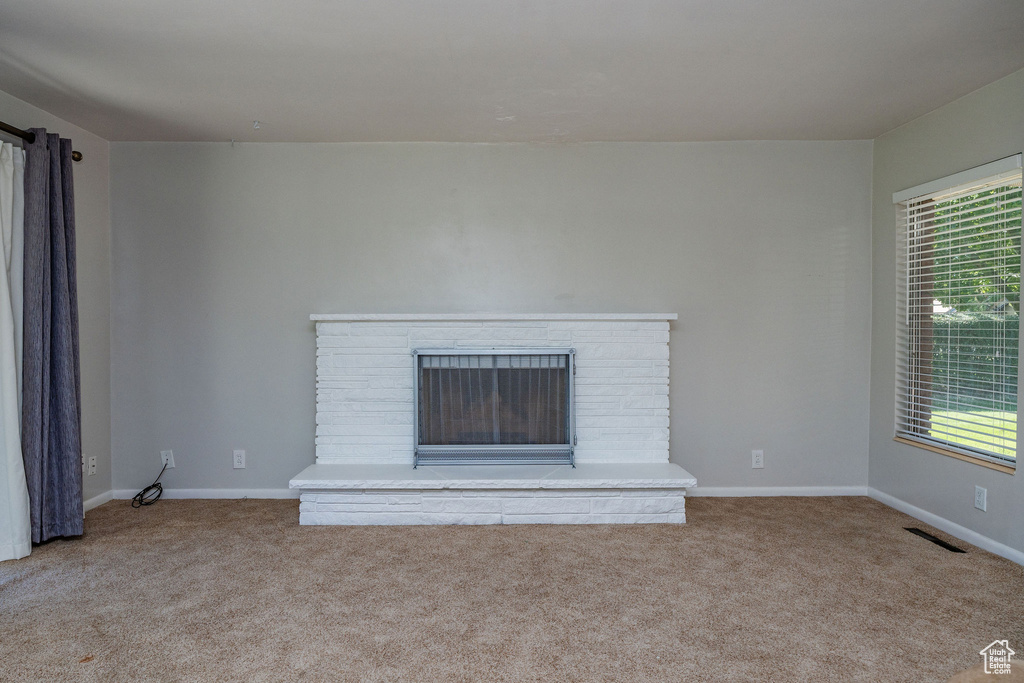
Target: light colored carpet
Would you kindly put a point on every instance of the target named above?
(755, 589)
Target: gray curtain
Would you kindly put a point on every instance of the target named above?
(51, 420)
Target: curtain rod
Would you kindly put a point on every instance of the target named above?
(31, 137)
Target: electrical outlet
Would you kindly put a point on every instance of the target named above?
(84, 467)
(167, 458)
(92, 465)
(757, 459)
(239, 460)
(981, 498)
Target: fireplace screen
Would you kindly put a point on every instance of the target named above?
(494, 407)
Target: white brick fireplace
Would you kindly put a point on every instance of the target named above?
(365, 425)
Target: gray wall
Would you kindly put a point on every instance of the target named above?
(221, 253)
(981, 127)
(92, 216)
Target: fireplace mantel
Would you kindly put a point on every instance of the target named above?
(365, 405)
(486, 317)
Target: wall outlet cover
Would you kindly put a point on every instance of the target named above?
(981, 498)
(167, 458)
(757, 459)
(238, 459)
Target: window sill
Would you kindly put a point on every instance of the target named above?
(955, 454)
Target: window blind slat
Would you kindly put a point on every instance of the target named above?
(999, 422)
(964, 220)
(940, 258)
(1002, 448)
(927, 205)
(960, 256)
(991, 201)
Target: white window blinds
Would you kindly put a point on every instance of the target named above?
(958, 312)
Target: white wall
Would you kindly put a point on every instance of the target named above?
(220, 254)
(92, 223)
(981, 127)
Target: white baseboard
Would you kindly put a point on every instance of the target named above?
(751, 491)
(179, 494)
(951, 528)
(96, 501)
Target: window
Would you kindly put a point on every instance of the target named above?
(958, 314)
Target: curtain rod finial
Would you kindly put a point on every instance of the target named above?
(76, 155)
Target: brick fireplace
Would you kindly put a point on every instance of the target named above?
(365, 422)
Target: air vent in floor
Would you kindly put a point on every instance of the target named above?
(933, 539)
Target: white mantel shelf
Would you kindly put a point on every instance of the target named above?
(481, 317)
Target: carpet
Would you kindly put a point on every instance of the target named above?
(750, 589)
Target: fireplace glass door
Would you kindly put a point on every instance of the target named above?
(494, 407)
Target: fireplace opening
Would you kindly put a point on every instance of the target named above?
(494, 407)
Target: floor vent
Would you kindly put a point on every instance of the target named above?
(937, 541)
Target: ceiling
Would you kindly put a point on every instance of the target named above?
(502, 70)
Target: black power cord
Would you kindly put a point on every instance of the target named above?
(151, 493)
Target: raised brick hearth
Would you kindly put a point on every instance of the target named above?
(364, 440)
